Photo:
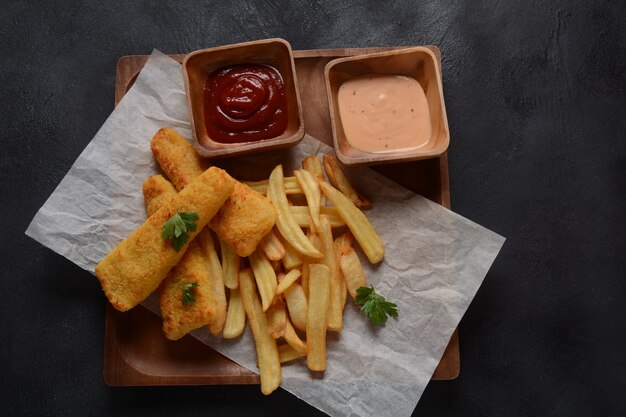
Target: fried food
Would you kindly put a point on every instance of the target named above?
(314, 166)
(352, 271)
(336, 291)
(272, 246)
(290, 183)
(357, 222)
(319, 289)
(277, 318)
(312, 192)
(286, 353)
(285, 280)
(176, 157)
(179, 318)
(303, 217)
(138, 264)
(293, 339)
(216, 281)
(297, 305)
(231, 262)
(244, 219)
(236, 316)
(292, 258)
(287, 225)
(265, 277)
(156, 191)
(267, 352)
(339, 180)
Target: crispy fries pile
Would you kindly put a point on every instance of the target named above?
(293, 287)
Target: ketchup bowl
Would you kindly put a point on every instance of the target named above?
(387, 107)
(243, 98)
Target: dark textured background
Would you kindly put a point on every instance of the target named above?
(536, 100)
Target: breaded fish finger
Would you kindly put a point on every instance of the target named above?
(180, 318)
(176, 157)
(138, 264)
(156, 191)
(246, 217)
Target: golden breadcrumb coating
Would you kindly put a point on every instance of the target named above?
(138, 264)
(244, 219)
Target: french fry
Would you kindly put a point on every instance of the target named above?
(343, 244)
(319, 291)
(231, 263)
(235, 317)
(312, 192)
(339, 180)
(285, 280)
(314, 166)
(352, 271)
(265, 277)
(287, 225)
(297, 305)
(267, 352)
(276, 318)
(287, 354)
(315, 240)
(291, 186)
(276, 266)
(343, 291)
(357, 222)
(272, 246)
(292, 258)
(217, 282)
(303, 216)
(293, 339)
(304, 280)
(335, 305)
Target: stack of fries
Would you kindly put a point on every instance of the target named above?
(293, 286)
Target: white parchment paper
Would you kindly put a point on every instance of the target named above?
(435, 260)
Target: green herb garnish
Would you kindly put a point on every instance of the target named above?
(177, 226)
(189, 296)
(374, 306)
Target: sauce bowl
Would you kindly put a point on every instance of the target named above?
(198, 65)
(418, 63)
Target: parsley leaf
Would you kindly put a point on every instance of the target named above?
(374, 306)
(189, 296)
(177, 226)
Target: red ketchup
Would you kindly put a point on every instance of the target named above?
(245, 103)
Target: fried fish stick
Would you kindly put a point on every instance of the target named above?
(246, 216)
(176, 157)
(180, 318)
(138, 264)
(156, 191)
(244, 219)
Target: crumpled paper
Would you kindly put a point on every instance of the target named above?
(435, 260)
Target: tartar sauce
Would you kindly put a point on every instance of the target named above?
(384, 113)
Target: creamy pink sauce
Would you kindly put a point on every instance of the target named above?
(384, 113)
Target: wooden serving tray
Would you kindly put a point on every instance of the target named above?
(135, 350)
